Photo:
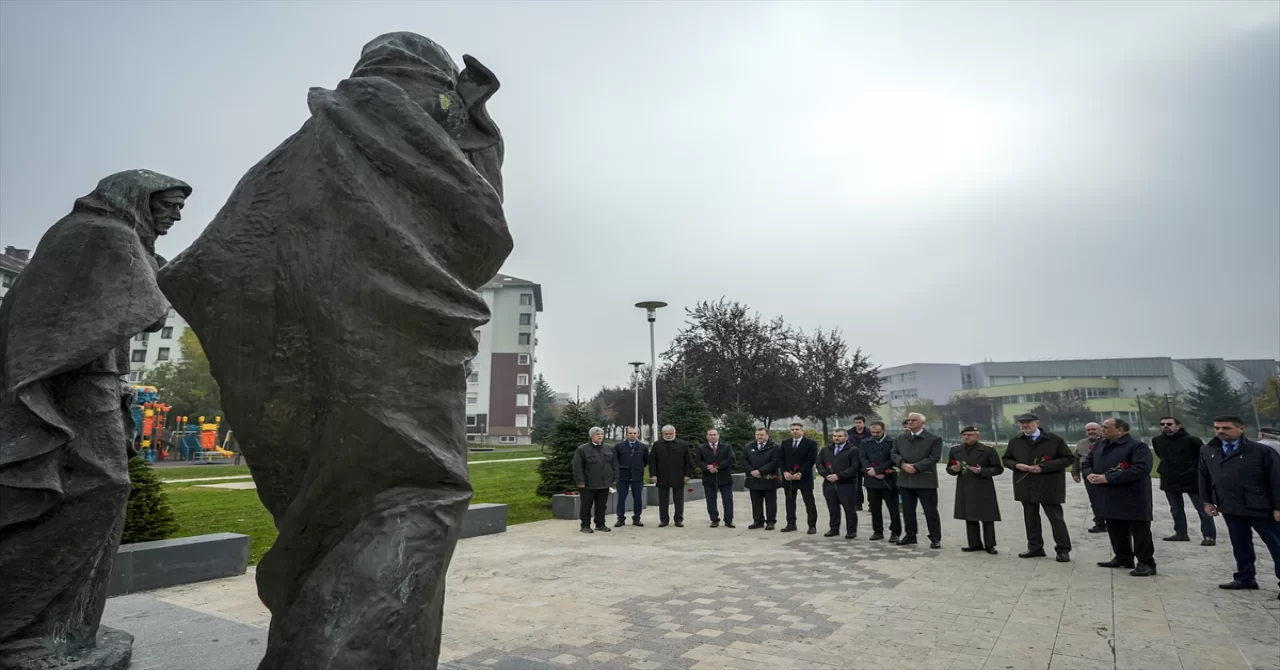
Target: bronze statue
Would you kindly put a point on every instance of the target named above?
(65, 427)
(335, 294)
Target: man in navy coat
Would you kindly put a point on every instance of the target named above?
(1240, 479)
(1120, 466)
(799, 455)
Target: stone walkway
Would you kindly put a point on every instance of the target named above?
(544, 596)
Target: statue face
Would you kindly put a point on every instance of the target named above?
(166, 209)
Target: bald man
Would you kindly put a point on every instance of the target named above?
(1092, 432)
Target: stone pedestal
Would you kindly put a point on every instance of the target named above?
(692, 491)
(113, 651)
(569, 507)
(739, 481)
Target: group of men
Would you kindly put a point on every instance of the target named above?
(1230, 476)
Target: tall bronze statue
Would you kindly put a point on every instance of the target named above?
(335, 295)
(65, 427)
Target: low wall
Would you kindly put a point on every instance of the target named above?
(144, 566)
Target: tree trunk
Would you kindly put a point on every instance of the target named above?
(826, 436)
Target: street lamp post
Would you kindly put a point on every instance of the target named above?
(1257, 424)
(651, 308)
(635, 383)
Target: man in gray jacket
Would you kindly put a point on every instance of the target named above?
(595, 467)
(916, 454)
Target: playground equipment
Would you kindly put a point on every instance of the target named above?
(187, 441)
(149, 418)
(200, 440)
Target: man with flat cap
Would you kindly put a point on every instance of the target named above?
(1039, 460)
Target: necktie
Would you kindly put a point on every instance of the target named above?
(1228, 449)
(713, 450)
(838, 448)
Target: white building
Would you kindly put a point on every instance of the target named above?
(500, 388)
(147, 350)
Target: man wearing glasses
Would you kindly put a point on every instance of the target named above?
(1179, 454)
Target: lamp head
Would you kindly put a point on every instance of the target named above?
(651, 308)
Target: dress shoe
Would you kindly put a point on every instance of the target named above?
(637, 523)
(851, 536)
(664, 524)
(1098, 529)
(1063, 557)
(992, 551)
(679, 524)
(1237, 585)
(905, 541)
(934, 544)
(768, 526)
(831, 533)
(604, 529)
(619, 523)
(1032, 553)
(728, 524)
(755, 526)
(1208, 542)
(715, 524)
(1143, 570)
(586, 529)
(1116, 564)
(970, 548)
(789, 529)
(893, 539)
(876, 537)
(812, 531)
(1177, 538)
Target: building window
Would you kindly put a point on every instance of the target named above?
(522, 421)
(507, 439)
(522, 359)
(142, 337)
(166, 333)
(163, 354)
(8, 281)
(474, 378)
(522, 400)
(135, 376)
(522, 380)
(525, 339)
(526, 319)
(471, 419)
(909, 377)
(526, 298)
(473, 398)
(139, 356)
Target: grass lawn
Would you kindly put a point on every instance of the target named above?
(198, 471)
(525, 451)
(201, 510)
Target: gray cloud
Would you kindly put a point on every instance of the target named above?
(1027, 180)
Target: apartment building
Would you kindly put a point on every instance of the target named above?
(500, 388)
(147, 350)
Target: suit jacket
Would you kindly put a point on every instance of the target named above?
(1246, 483)
(846, 465)
(632, 459)
(670, 462)
(799, 457)
(1127, 466)
(767, 460)
(923, 451)
(1052, 454)
(724, 460)
(878, 455)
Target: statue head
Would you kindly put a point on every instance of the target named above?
(148, 202)
(456, 100)
(166, 209)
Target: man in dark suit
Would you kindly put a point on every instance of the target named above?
(875, 453)
(859, 433)
(1039, 460)
(799, 454)
(633, 456)
(716, 461)
(916, 453)
(1120, 466)
(838, 464)
(763, 459)
(1240, 479)
(670, 468)
(1179, 454)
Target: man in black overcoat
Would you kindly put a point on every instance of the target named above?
(799, 455)
(838, 465)
(763, 460)
(1120, 466)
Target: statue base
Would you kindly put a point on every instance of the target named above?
(112, 652)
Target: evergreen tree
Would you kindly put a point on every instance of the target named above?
(148, 517)
(569, 433)
(544, 414)
(687, 411)
(738, 428)
(1215, 396)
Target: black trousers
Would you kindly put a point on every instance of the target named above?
(1035, 534)
(664, 494)
(927, 498)
(1207, 528)
(764, 505)
(589, 500)
(1092, 490)
(1131, 540)
(810, 506)
(889, 498)
(725, 491)
(1241, 529)
(842, 497)
(981, 533)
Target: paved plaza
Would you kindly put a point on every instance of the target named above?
(543, 595)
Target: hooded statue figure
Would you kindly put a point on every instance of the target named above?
(336, 295)
(65, 428)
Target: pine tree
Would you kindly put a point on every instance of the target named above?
(738, 428)
(687, 412)
(148, 517)
(570, 432)
(1215, 396)
(544, 415)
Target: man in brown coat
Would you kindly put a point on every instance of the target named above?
(1093, 432)
(1039, 460)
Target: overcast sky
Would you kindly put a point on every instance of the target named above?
(945, 182)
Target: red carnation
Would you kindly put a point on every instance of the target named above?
(1124, 465)
(797, 467)
(690, 490)
(828, 463)
(955, 462)
(1044, 459)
